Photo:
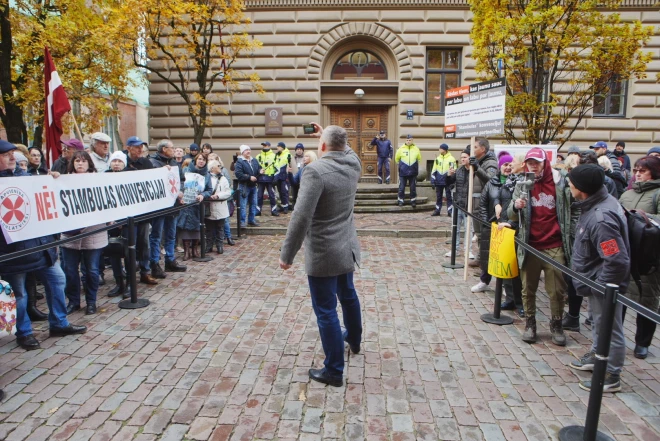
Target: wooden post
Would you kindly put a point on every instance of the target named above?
(75, 124)
(468, 221)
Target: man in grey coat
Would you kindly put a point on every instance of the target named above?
(323, 219)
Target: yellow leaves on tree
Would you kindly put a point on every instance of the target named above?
(557, 56)
(192, 45)
(76, 32)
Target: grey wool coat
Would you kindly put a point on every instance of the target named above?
(323, 218)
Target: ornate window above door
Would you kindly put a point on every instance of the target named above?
(359, 64)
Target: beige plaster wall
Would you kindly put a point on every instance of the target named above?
(297, 43)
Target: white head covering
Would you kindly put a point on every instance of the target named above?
(244, 148)
(119, 155)
(19, 157)
(100, 136)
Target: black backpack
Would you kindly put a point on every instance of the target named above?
(644, 239)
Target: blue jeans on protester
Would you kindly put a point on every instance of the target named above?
(251, 198)
(71, 260)
(164, 225)
(325, 291)
(227, 228)
(53, 280)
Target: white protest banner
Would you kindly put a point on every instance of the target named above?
(550, 150)
(475, 110)
(36, 206)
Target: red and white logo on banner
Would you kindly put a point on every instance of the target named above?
(14, 209)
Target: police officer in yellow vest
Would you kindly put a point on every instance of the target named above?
(265, 180)
(282, 168)
(441, 166)
(408, 156)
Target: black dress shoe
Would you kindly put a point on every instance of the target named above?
(69, 330)
(254, 224)
(321, 375)
(175, 267)
(354, 349)
(90, 309)
(641, 352)
(72, 308)
(28, 342)
(2, 395)
(157, 271)
(230, 241)
(509, 305)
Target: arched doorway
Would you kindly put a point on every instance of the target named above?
(367, 64)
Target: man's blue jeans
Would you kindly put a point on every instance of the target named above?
(251, 199)
(162, 225)
(227, 228)
(54, 281)
(325, 291)
(71, 259)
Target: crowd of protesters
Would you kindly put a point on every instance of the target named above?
(77, 267)
(573, 214)
(567, 212)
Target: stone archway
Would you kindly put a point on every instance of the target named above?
(386, 43)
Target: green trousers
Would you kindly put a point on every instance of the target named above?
(555, 285)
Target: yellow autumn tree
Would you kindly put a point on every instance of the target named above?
(192, 45)
(558, 56)
(93, 72)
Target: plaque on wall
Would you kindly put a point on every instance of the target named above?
(273, 120)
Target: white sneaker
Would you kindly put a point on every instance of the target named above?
(471, 256)
(448, 254)
(479, 287)
(474, 238)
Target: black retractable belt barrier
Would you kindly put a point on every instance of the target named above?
(133, 302)
(454, 237)
(589, 432)
(202, 236)
(495, 318)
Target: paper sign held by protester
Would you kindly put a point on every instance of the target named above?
(502, 261)
(41, 205)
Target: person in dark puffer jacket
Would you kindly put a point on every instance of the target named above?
(495, 199)
(44, 263)
(461, 177)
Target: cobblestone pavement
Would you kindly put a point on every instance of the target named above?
(223, 351)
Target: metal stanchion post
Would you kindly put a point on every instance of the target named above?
(454, 237)
(202, 237)
(589, 432)
(133, 302)
(495, 318)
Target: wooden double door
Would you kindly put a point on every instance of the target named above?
(362, 125)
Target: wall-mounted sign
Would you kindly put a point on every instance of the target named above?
(409, 114)
(273, 120)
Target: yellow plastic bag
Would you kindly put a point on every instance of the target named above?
(502, 261)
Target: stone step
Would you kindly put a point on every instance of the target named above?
(394, 208)
(378, 196)
(387, 202)
(384, 188)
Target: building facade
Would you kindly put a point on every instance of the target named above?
(402, 55)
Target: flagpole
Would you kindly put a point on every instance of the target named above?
(75, 124)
